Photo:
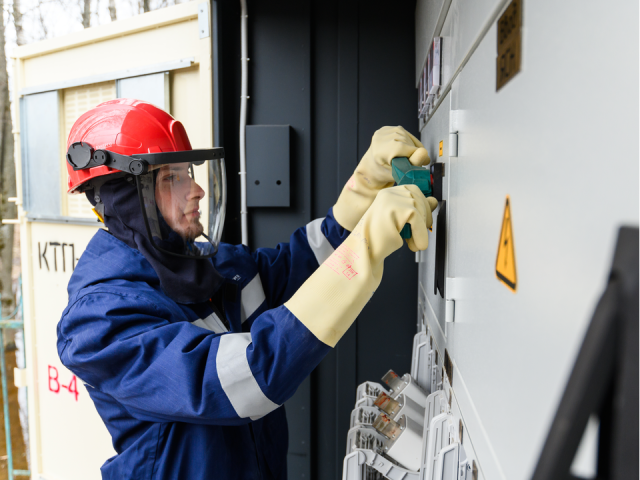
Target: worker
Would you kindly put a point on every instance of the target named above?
(189, 347)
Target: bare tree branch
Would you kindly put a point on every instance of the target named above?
(17, 23)
(8, 184)
(8, 211)
(112, 10)
(86, 13)
(43, 25)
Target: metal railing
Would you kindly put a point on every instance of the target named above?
(10, 322)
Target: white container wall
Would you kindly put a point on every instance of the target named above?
(163, 57)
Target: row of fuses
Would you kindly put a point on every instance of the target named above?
(404, 428)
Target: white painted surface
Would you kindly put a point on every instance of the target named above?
(65, 423)
(551, 143)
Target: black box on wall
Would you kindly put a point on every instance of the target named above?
(268, 157)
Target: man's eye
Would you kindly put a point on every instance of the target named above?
(172, 178)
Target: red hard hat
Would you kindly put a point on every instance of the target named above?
(128, 127)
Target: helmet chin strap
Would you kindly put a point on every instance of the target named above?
(98, 208)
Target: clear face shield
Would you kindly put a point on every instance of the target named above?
(183, 205)
(183, 195)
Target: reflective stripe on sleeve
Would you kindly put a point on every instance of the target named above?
(236, 378)
(212, 323)
(319, 244)
(252, 296)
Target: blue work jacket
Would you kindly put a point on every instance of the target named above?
(182, 395)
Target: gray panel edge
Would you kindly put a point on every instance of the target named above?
(66, 220)
(104, 77)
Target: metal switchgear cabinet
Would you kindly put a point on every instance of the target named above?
(537, 181)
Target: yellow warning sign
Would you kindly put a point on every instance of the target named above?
(506, 260)
(440, 149)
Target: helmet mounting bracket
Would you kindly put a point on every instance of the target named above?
(82, 156)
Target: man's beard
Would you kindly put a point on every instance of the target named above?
(193, 231)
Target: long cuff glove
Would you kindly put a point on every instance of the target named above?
(373, 173)
(331, 299)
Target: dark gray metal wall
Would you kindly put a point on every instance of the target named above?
(335, 71)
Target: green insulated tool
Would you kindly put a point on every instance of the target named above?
(406, 174)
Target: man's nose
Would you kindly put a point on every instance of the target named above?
(196, 191)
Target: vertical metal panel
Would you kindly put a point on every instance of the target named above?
(150, 88)
(40, 118)
(279, 87)
(387, 97)
(280, 91)
(347, 133)
(228, 37)
(326, 187)
(306, 71)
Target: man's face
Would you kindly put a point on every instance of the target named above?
(178, 198)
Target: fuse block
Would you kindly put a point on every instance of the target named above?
(403, 440)
(368, 392)
(406, 385)
(401, 405)
(406, 429)
(364, 416)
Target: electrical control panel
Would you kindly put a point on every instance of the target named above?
(522, 237)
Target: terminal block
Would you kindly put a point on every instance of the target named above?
(401, 405)
(367, 392)
(399, 431)
(396, 438)
(359, 441)
(403, 441)
(364, 438)
(364, 416)
(406, 385)
(370, 465)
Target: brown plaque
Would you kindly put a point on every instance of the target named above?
(509, 43)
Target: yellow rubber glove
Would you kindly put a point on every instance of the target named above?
(373, 173)
(331, 299)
